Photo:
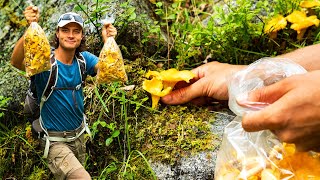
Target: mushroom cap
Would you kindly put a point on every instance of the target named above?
(309, 4)
(296, 16)
(155, 87)
(163, 82)
(172, 75)
(275, 24)
(300, 20)
(305, 24)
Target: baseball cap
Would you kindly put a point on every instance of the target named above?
(70, 17)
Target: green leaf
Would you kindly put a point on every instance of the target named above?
(115, 133)
(101, 100)
(80, 8)
(159, 11)
(174, 5)
(159, 4)
(109, 141)
(111, 126)
(103, 124)
(132, 17)
(124, 4)
(131, 10)
(171, 16)
(109, 169)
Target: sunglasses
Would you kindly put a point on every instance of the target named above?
(70, 17)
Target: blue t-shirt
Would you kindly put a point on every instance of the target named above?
(59, 112)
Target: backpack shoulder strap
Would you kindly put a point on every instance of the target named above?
(52, 80)
(82, 67)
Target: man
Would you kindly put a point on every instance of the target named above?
(62, 114)
(294, 113)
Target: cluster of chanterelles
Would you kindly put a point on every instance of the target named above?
(299, 19)
(36, 50)
(282, 163)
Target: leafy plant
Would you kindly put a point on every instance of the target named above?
(3, 104)
(95, 11)
(231, 31)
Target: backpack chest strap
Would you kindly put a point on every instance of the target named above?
(73, 89)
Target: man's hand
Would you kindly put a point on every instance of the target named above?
(294, 113)
(31, 13)
(107, 31)
(210, 82)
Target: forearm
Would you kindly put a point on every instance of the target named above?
(308, 57)
(17, 57)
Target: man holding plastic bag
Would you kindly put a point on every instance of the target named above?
(62, 116)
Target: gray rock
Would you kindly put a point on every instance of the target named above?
(197, 167)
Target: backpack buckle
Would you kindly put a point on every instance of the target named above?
(37, 129)
(78, 87)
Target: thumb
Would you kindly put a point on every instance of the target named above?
(255, 120)
(184, 95)
(268, 117)
(265, 95)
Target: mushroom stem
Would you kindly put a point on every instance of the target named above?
(273, 35)
(155, 100)
(300, 34)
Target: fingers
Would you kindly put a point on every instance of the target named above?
(307, 144)
(35, 8)
(31, 14)
(110, 30)
(304, 137)
(183, 95)
(200, 101)
(272, 117)
(256, 120)
(209, 81)
(199, 72)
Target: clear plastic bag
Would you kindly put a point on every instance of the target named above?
(111, 65)
(36, 50)
(260, 155)
(261, 73)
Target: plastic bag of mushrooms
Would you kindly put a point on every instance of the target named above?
(260, 155)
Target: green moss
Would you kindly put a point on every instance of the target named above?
(175, 132)
(163, 135)
(38, 173)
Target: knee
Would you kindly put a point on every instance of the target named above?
(79, 174)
